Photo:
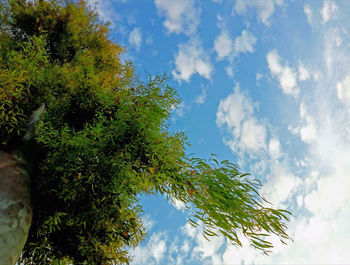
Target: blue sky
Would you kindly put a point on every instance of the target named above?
(265, 84)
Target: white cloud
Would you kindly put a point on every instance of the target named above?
(273, 61)
(208, 249)
(343, 90)
(246, 133)
(135, 38)
(191, 59)
(319, 236)
(232, 110)
(180, 110)
(280, 183)
(253, 135)
(265, 8)
(324, 127)
(308, 133)
(104, 9)
(245, 42)
(287, 76)
(320, 201)
(204, 251)
(229, 71)
(288, 81)
(153, 251)
(328, 10)
(201, 98)
(237, 255)
(179, 205)
(308, 129)
(189, 230)
(181, 16)
(223, 45)
(303, 73)
(308, 13)
(158, 250)
(274, 149)
(148, 222)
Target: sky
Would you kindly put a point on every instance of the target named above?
(266, 85)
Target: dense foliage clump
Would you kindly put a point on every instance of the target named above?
(100, 139)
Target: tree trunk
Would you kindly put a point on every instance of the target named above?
(15, 209)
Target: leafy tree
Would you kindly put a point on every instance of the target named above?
(98, 138)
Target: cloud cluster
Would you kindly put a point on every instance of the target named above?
(308, 129)
(191, 59)
(105, 10)
(318, 230)
(312, 181)
(308, 13)
(250, 139)
(135, 38)
(328, 10)
(343, 90)
(245, 43)
(265, 8)
(287, 76)
(225, 47)
(154, 251)
(181, 16)
(235, 114)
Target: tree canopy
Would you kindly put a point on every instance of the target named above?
(101, 138)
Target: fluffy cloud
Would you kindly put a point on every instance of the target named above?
(179, 205)
(225, 47)
(191, 59)
(253, 135)
(180, 109)
(343, 90)
(204, 251)
(135, 38)
(147, 222)
(324, 127)
(245, 43)
(232, 110)
(308, 129)
(181, 16)
(280, 183)
(265, 8)
(303, 73)
(308, 13)
(106, 10)
(235, 113)
(320, 203)
(153, 251)
(286, 76)
(328, 10)
(274, 149)
(321, 195)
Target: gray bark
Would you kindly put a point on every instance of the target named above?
(15, 209)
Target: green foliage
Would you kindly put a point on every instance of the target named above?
(102, 140)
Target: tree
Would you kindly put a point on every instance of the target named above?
(97, 137)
